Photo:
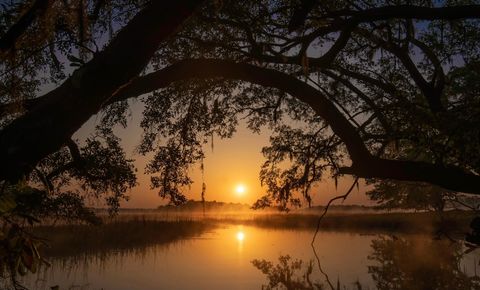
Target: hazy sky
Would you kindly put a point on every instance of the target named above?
(232, 162)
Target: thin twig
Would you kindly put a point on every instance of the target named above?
(320, 268)
(343, 196)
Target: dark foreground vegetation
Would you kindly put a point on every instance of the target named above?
(116, 236)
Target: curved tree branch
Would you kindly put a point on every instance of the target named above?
(61, 112)
(364, 163)
(370, 103)
(438, 79)
(431, 94)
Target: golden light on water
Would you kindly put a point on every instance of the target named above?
(240, 236)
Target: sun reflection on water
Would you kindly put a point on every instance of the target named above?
(240, 236)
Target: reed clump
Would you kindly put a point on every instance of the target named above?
(116, 236)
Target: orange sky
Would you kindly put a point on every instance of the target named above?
(232, 162)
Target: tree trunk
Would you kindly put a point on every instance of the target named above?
(47, 127)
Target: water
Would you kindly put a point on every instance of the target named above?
(246, 257)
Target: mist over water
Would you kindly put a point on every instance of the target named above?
(202, 254)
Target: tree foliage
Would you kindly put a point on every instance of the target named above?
(405, 195)
(375, 89)
(398, 77)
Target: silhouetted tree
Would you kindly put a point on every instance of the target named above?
(408, 195)
(430, 264)
(288, 274)
(395, 84)
(372, 89)
(394, 111)
(39, 40)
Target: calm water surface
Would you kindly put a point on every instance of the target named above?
(244, 257)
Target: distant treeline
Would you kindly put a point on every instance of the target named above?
(219, 206)
(340, 208)
(199, 206)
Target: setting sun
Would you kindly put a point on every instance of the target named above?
(240, 189)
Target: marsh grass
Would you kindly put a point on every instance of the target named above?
(116, 236)
(74, 247)
(419, 222)
(454, 222)
(126, 233)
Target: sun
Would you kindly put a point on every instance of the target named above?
(240, 189)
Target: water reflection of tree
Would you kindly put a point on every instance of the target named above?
(288, 274)
(295, 274)
(418, 264)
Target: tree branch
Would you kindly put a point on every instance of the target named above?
(61, 112)
(7, 41)
(412, 12)
(300, 14)
(438, 79)
(428, 89)
(76, 162)
(365, 98)
(364, 164)
(343, 197)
